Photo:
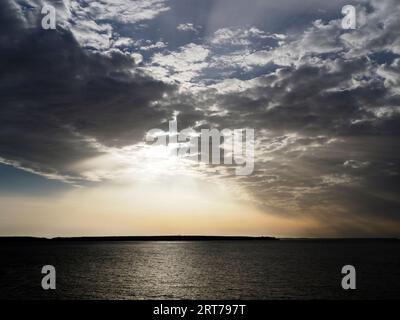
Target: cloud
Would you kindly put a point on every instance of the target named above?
(93, 23)
(237, 36)
(223, 54)
(188, 27)
(150, 46)
(326, 115)
(181, 66)
(52, 89)
(324, 101)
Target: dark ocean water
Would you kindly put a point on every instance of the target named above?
(201, 270)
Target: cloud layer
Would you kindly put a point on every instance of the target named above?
(324, 101)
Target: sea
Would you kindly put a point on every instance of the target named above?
(212, 270)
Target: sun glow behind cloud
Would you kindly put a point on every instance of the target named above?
(141, 189)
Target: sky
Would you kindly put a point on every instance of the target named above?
(77, 102)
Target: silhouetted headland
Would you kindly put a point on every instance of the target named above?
(134, 238)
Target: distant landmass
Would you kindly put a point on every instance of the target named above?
(136, 238)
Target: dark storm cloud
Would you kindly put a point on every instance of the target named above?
(328, 124)
(315, 99)
(54, 95)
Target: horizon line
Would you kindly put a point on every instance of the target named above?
(180, 238)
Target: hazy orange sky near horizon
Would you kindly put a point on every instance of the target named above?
(173, 209)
